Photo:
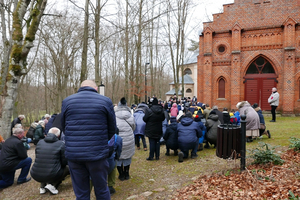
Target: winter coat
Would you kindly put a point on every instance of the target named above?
(31, 130)
(206, 112)
(203, 129)
(252, 117)
(261, 117)
(88, 121)
(48, 126)
(139, 122)
(116, 142)
(174, 110)
(57, 123)
(126, 125)
(189, 133)
(171, 136)
(165, 123)
(13, 151)
(226, 117)
(212, 128)
(49, 159)
(237, 116)
(273, 100)
(39, 133)
(153, 118)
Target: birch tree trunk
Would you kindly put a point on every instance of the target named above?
(18, 56)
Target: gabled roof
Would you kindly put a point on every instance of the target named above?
(171, 92)
(192, 59)
(187, 80)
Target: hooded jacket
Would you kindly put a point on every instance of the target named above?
(212, 128)
(88, 121)
(261, 117)
(138, 118)
(126, 125)
(189, 133)
(252, 117)
(49, 159)
(174, 110)
(153, 118)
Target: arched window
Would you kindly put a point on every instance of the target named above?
(187, 71)
(221, 93)
(188, 91)
(260, 66)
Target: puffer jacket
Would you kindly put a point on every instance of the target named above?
(171, 136)
(153, 118)
(212, 128)
(252, 117)
(189, 133)
(273, 100)
(49, 159)
(39, 133)
(126, 125)
(48, 126)
(88, 121)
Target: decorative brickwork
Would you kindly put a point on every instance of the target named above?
(245, 31)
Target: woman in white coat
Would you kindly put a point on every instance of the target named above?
(126, 125)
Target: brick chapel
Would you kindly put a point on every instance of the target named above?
(252, 46)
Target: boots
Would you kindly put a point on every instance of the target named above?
(121, 173)
(126, 172)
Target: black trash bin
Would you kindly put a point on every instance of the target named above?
(228, 141)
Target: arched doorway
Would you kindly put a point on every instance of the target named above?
(259, 80)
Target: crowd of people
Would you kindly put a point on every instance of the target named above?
(91, 139)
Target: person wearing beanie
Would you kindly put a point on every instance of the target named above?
(203, 129)
(273, 100)
(171, 137)
(126, 125)
(212, 129)
(189, 133)
(174, 110)
(154, 117)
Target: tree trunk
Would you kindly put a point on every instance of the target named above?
(83, 74)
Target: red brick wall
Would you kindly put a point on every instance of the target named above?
(248, 29)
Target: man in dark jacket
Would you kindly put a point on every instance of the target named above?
(212, 128)
(153, 118)
(50, 165)
(189, 133)
(171, 137)
(13, 156)
(88, 121)
(17, 120)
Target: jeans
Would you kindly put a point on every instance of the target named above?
(154, 147)
(81, 172)
(8, 177)
(273, 111)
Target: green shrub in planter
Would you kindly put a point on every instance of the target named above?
(295, 144)
(264, 154)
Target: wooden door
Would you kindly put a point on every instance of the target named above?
(258, 90)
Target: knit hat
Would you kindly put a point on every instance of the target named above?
(173, 119)
(155, 101)
(197, 118)
(215, 108)
(255, 105)
(123, 101)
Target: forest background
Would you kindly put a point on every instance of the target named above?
(134, 47)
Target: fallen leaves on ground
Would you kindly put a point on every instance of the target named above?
(256, 182)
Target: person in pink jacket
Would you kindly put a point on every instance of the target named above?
(174, 110)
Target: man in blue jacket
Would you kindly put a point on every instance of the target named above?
(88, 122)
(189, 133)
